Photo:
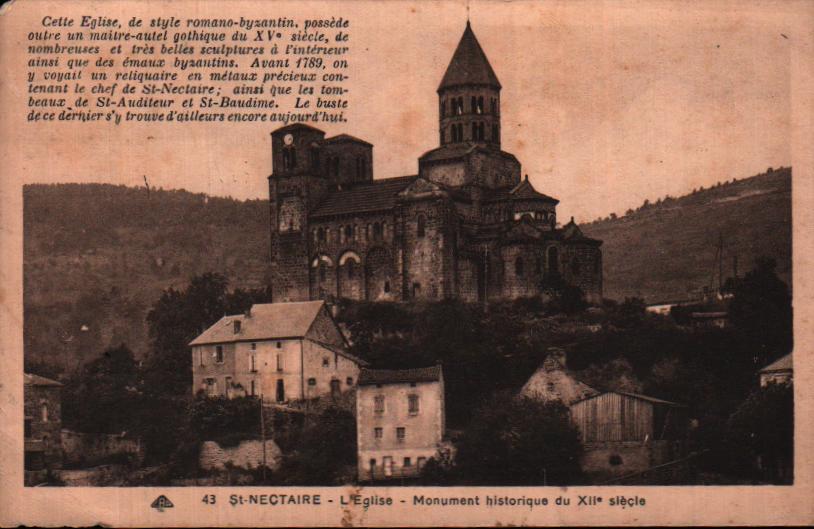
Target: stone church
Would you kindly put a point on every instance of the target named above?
(467, 226)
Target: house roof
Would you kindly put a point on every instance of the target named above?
(469, 65)
(30, 379)
(366, 197)
(266, 321)
(346, 137)
(369, 377)
(784, 363)
(552, 381)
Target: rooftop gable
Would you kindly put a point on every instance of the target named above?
(265, 321)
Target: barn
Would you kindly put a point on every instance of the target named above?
(627, 432)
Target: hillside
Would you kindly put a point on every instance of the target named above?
(667, 250)
(97, 256)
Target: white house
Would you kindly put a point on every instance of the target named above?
(399, 421)
(282, 351)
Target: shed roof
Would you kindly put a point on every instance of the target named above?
(369, 377)
(783, 363)
(639, 396)
(377, 195)
(30, 379)
(266, 321)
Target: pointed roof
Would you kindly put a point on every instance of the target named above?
(469, 65)
(785, 363)
(525, 191)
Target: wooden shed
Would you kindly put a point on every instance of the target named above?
(622, 416)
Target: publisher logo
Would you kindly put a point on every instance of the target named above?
(161, 503)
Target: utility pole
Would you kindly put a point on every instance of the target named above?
(263, 435)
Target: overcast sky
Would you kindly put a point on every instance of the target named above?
(603, 105)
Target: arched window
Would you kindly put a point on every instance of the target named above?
(518, 267)
(322, 272)
(493, 103)
(286, 159)
(474, 105)
(474, 131)
(321, 235)
(290, 157)
(44, 412)
(443, 109)
(495, 133)
(443, 136)
(421, 223)
(377, 231)
(348, 233)
(479, 105)
(460, 128)
(351, 266)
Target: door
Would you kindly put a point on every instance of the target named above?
(280, 390)
(334, 388)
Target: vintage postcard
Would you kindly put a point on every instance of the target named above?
(407, 263)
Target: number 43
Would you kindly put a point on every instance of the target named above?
(208, 499)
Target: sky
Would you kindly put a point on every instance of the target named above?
(605, 104)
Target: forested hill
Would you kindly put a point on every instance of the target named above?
(667, 250)
(96, 257)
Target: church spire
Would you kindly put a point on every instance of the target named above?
(469, 97)
(469, 65)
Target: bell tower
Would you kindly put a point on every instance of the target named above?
(469, 97)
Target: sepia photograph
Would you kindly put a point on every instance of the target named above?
(469, 246)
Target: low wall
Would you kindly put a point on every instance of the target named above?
(87, 448)
(619, 458)
(104, 475)
(246, 455)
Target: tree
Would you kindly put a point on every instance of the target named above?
(519, 441)
(104, 397)
(326, 451)
(761, 311)
(761, 431)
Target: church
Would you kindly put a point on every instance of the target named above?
(468, 226)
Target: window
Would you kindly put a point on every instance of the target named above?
(378, 433)
(200, 358)
(253, 363)
(378, 404)
(321, 235)
(443, 109)
(407, 462)
(495, 133)
(421, 226)
(518, 267)
(387, 287)
(44, 412)
(421, 462)
(312, 382)
(443, 136)
(326, 361)
(349, 381)
(412, 404)
(416, 290)
(254, 346)
(348, 233)
(27, 427)
(219, 354)
(279, 345)
(401, 434)
(228, 383)
(377, 231)
(279, 362)
(493, 103)
(351, 269)
(211, 387)
(237, 326)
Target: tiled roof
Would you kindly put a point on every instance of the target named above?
(469, 64)
(266, 322)
(36, 380)
(525, 191)
(346, 137)
(377, 195)
(783, 364)
(369, 377)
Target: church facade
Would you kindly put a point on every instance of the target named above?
(467, 226)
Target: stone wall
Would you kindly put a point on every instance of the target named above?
(246, 455)
(615, 459)
(89, 448)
